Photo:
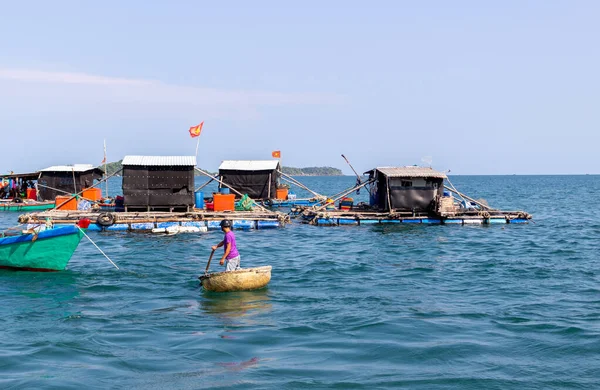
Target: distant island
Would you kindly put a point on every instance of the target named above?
(312, 171)
(113, 167)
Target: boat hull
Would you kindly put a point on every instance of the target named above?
(51, 251)
(240, 280)
(26, 206)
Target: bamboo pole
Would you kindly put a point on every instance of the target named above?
(76, 195)
(344, 194)
(74, 184)
(204, 185)
(455, 190)
(353, 170)
(339, 193)
(232, 189)
(269, 190)
(37, 184)
(296, 182)
(64, 192)
(56, 189)
(469, 198)
(105, 169)
(389, 199)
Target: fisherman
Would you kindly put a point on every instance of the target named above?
(231, 254)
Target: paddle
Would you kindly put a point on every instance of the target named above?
(209, 259)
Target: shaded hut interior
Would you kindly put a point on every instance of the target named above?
(410, 188)
(257, 178)
(66, 179)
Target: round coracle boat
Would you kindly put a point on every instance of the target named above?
(238, 280)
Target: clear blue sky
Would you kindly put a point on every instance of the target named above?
(481, 87)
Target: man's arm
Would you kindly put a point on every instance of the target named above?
(214, 247)
(227, 250)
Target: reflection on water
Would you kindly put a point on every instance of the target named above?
(37, 284)
(239, 306)
(452, 307)
(238, 366)
(26, 292)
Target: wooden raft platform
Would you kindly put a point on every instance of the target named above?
(146, 221)
(342, 218)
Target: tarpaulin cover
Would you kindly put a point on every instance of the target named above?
(158, 186)
(63, 181)
(253, 183)
(407, 198)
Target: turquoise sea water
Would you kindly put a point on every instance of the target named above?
(423, 307)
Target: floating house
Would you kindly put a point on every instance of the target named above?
(158, 183)
(158, 194)
(258, 179)
(413, 189)
(60, 179)
(17, 185)
(18, 192)
(410, 195)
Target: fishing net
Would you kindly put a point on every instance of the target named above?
(244, 204)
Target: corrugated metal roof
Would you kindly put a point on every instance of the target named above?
(411, 171)
(69, 168)
(171, 161)
(249, 165)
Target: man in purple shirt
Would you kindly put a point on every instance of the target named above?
(231, 254)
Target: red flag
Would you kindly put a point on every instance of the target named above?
(276, 154)
(196, 130)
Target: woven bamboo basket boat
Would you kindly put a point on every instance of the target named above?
(239, 280)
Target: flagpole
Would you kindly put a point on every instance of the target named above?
(197, 144)
(105, 171)
(198, 129)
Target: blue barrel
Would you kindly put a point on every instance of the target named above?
(199, 196)
(224, 190)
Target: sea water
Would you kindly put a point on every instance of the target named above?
(412, 306)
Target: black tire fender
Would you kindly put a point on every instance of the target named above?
(105, 219)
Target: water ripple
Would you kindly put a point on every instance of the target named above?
(499, 307)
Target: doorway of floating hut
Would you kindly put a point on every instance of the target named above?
(158, 183)
(66, 179)
(19, 185)
(256, 178)
(412, 188)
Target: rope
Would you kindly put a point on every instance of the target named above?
(233, 189)
(97, 247)
(79, 193)
(344, 194)
(471, 199)
(204, 185)
(296, 182)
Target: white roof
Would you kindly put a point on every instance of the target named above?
(411, 171)
(171, 161)
(249, 165)
(69, 168)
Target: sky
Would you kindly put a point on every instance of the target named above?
(475, 87)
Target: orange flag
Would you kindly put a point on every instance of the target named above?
(276, 154)
(196, 130)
